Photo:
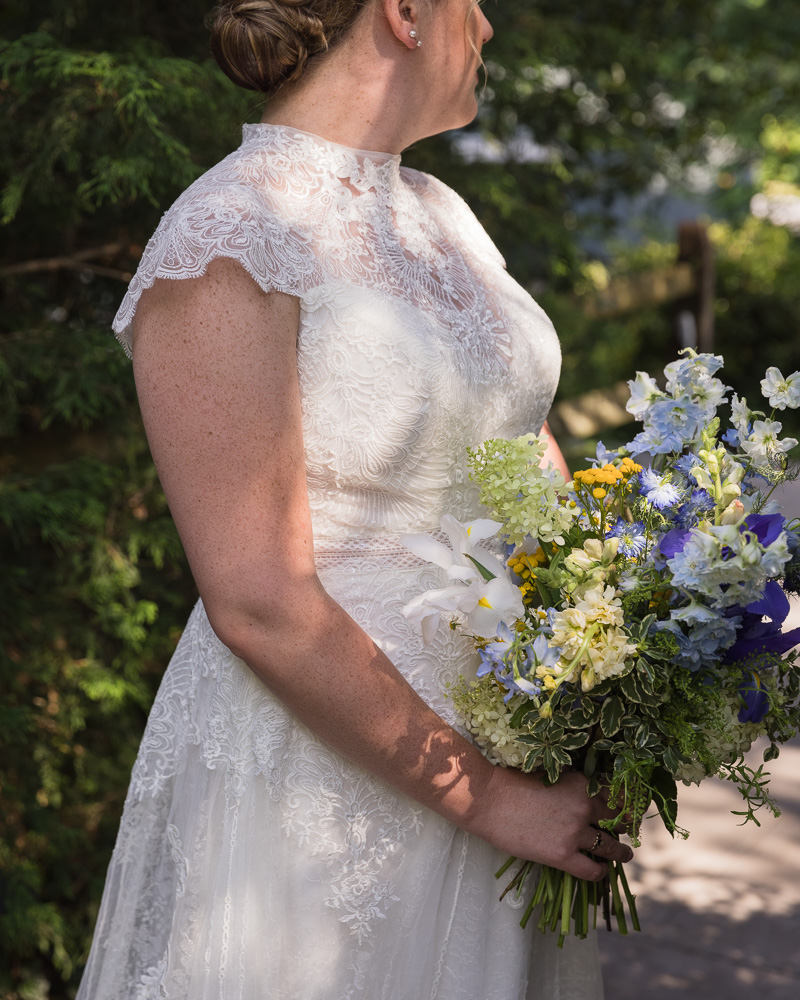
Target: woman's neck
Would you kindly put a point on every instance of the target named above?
(367, 93)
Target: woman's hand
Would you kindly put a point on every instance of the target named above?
(553, 825)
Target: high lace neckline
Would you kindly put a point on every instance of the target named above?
(338, 156)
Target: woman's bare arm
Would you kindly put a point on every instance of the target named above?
(554, 455)
(215, 367)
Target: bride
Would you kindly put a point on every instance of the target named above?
(305, 820)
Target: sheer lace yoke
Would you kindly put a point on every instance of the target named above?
(414, 341)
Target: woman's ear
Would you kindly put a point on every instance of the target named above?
(403, 18)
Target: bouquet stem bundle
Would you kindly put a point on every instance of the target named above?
(569, 905)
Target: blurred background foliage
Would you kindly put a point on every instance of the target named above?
(603, 123)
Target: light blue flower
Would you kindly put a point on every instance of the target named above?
(543, 654)
(729, 565)
(690, 369)
(705, 641)
(692, 376)
(731, 437)
(602, 455)
(659, 492)
(514, 665)
(695, 613)
(632, 537)
(493, 654)
(692, 567)
(655, 441)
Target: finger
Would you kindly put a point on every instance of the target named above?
(605, 846)
(582, 866)
(602, 810)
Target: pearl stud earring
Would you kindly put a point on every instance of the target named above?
(413, 34)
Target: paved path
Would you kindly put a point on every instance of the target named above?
(720, 911)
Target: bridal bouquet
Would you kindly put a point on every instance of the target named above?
(630, 624)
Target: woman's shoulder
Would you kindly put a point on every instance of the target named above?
(246, 208)
(252, 185)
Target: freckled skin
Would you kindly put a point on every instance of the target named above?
(216, 372)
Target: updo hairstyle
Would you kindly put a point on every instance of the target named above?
(262, 44)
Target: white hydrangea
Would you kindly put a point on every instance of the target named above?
(484, 714)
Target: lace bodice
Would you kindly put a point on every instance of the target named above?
(413, 340)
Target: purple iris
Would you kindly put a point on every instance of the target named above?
(674, 542)
(755, 700)
(755, 636)
(766, 527)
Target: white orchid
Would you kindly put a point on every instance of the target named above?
(459, 560)
(482, 603)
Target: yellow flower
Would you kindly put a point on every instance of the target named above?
(629, 467)
(598, 493)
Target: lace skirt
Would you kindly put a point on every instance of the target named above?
(254, 863)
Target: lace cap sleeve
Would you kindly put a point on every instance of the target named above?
(212, 220)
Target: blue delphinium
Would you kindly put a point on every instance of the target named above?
(632, 537)
(663, 431)
(728, 564)
(675, 418)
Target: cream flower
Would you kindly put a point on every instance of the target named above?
(592, 639)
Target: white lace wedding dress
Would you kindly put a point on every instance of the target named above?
(253, 863)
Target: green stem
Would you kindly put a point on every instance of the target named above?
(500, 872)
(630, 898)
(619, 911)
(566, 902)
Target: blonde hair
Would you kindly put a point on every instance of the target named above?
(263, 44)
